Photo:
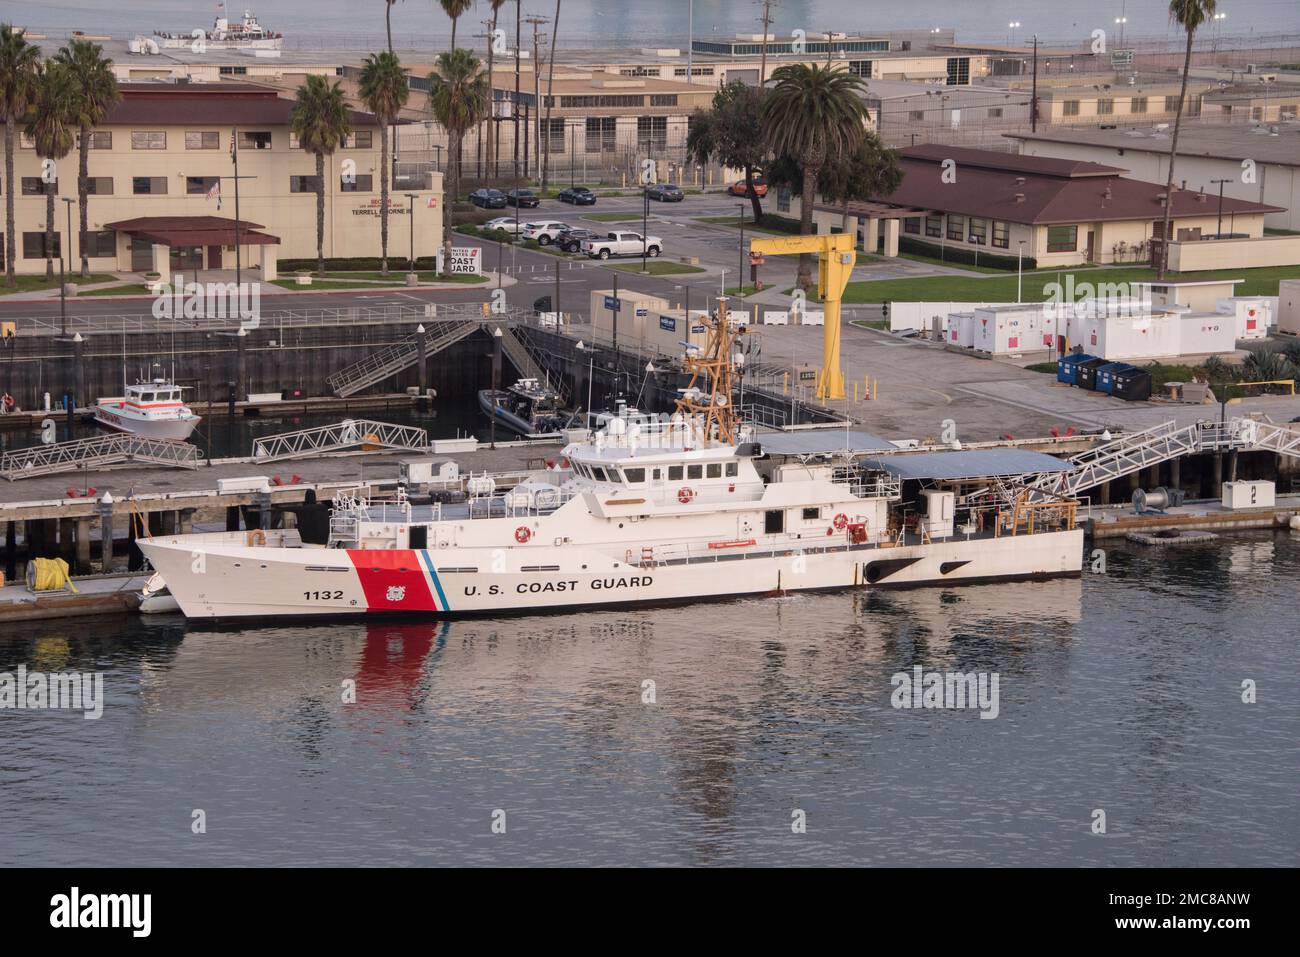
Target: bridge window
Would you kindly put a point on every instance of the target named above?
(674, 473)
(732, 470)
(634, 475)
(694, 471)
(715, 470)
(774, 522)
(811, 514)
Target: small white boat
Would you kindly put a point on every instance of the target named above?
(154, 410)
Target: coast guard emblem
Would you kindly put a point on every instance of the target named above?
(396, 592)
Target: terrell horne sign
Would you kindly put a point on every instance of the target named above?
(467, 260)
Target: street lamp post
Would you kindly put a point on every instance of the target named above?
(411, 224)
(1020, 251)
(1012, 27)
(65, 247)
(740, 275)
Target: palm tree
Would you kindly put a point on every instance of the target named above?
(388, 22)
(97, 93)
(1189, 14)
(813, 114)
(321, 121)
(550, 99)
(492, 32)
(384, 90)
(458, 99)
(52, 126)
(454, 9)
(19, 65)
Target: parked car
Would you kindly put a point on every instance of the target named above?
(506, 224)
(739, 188)
(488, 198)
(544, 232)
(622, 244)
(666, 193)
(579, 196)
(571, 240)
(523, 198)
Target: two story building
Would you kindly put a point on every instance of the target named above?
(162, 193)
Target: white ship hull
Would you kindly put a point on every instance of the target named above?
(221, 575)
(187, 43)
(175, 429)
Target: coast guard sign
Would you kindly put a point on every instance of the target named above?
(465, 260)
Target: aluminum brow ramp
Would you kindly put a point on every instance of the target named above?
(1127, 454)
(348, 434)
(517, 351)
(378, 366)
(99, 452)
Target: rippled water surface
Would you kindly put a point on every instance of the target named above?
(1120, 692)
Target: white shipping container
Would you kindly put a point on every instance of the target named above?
(1288, 307)
(1251, 315)
(961, 329)
(1206, 332)
(1249, 495)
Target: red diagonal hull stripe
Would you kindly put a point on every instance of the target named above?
(386, 572)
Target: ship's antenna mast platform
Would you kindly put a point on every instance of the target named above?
(708, 397)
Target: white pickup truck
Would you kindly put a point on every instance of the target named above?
(622, 244)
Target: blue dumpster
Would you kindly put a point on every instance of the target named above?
(1106, 376)
(1067, 367)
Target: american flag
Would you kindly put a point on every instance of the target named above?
(215, 192)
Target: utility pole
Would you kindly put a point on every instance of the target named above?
(1218, 229)
(1033, 95)
(537, 89)
(514, 112)
(766, 21)
(690, 39)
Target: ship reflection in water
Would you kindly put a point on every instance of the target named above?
(683, 735)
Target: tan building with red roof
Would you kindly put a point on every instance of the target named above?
(1058, 212)
(163, 198)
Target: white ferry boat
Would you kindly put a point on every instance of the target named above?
(682, 510)
(224, 35)
(154, 410)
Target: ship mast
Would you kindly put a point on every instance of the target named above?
(708, 399)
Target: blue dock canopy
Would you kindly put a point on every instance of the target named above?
(967, 464)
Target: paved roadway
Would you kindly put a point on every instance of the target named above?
(718, 248)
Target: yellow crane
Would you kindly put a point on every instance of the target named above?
(836, 257)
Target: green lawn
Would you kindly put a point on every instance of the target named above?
(612, 217)
(1002, 288)
(659, 267)
(399, 275)
(35, 283)
(292, 285)
(132, 289)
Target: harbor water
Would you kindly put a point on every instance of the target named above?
(677, 737)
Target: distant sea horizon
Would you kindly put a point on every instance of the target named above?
(612, 23)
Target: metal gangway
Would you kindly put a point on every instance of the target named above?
(337, 438)
(403, 354)
(516, 349)
(341, 437)
(99, 452)
(1136, 451)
